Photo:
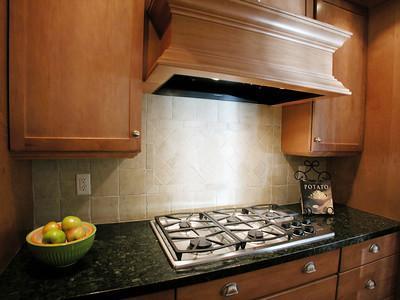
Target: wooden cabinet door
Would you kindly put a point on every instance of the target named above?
(75, 75)
(338, 122)
(377, 280)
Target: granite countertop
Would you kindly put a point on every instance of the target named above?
(126, 259)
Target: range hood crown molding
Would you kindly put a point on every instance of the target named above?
(241, 41)
(270, 21)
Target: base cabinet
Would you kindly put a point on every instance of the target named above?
(321, 289)
(377, 280)
(267, 282)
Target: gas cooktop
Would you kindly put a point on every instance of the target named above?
(190, 239)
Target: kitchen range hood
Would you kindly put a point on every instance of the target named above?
(238, 50)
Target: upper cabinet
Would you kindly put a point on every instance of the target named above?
(75, 77)
(333, 126)
(299, 7)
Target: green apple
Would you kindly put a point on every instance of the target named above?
(54, 236)
(75, 233)
(70, 222)
(49, 226)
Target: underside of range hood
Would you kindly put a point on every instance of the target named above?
(196, 87)
(257, 53)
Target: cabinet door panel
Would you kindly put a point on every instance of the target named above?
(377, 280)
(339, 121)
(75, 74)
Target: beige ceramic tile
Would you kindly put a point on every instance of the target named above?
(68, 171)
(104, 209)
(294, 193)
(280, 194)
(184, 109)
(196, 153)
(277, 115)
(225, 197)
(207, 110)
(228, 111)
(138, 162)
(159, 107)
(252, 196)
(279, 174)
(131, 181)
(76, 206)
(151, 187)
(132, 207)
(104, 177)
(45, 179)
(250, 113)
(149, 156)
(46, 209)
(158, 204)
(267, 118)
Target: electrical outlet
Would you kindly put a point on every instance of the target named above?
(83, 186)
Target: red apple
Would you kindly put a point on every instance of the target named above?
(75, 233)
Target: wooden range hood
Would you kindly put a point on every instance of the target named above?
(240, 41)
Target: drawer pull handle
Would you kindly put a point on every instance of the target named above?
(370, 284)
(230, 289)
(309, 268)
(374, 248)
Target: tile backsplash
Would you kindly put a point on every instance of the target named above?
(196, 153)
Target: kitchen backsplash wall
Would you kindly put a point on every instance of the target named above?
(196, 153)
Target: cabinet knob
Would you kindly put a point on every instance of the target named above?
(135, 133)
(374, 248)
(309, 268)
(317, 139)
(370, 284)
(230, 289)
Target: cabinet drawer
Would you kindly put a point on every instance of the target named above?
(377, 280)
(321, 289)
(369, 251)
(264, 282)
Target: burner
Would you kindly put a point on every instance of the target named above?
(296, 224)
(309, 229)
(255, 234)
(232, 219)
(306, 222)
(285, 225)
(200, 243)
(298, 232)
(184, 224)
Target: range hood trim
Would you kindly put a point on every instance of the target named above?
(273, 22)
(172, 54)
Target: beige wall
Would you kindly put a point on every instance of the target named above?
(15, 176)
(196, 153)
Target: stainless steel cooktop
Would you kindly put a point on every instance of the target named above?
(190, 239)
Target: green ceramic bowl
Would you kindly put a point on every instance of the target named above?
(61, 255)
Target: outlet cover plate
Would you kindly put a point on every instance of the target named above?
(83, 186)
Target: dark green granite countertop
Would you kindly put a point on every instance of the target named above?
(127, 260)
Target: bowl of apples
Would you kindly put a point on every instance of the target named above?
(62, 244)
